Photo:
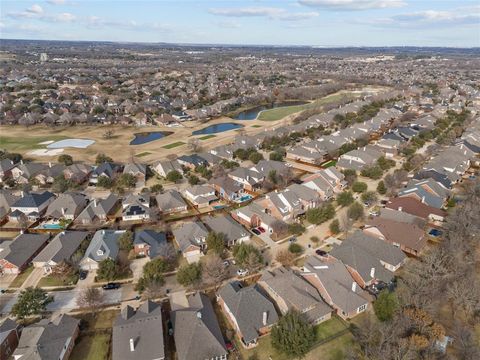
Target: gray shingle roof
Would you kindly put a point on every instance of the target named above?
(169, 200)
(71, 203)
(104, 245)
(30, 200)
(191, 233)
(226, 225)
(62, 247)
(152, 238)
(21, 249)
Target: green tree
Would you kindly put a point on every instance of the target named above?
(153, 274)
(105, 182)
(174, 176)
(125, 241)
(296, 229)
(334, 226)
(255, 157)
(355, 211)
(381, 188)
(107, 270)
(345, 198)
(276, 155)
(369, 197)
(65, 159)
(321, 214)
(216, 242)
(31, 301)
(295, 248)
(243, 253)
(101, 158)
(293, 335)
(190, 274)
(193, 180)
(372, 172)
(385, 305)
(385, 164)
(126, 181)
(60, 184)
(359, 187)
(156, 188)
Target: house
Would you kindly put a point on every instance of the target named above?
(22, 172)
(303, 154)
(48, 175)
(163, 168)
(6, 166)
(228, 189)
(66, 206)
(200, 195)
(336, 286)
(171, 201)
(77, 173)
(98, 210)
(104, 245)
(61, 248)
(250, 180)
(138, 334)
(253, 216)
(139, 171)
(359, 159)
(7, 199)
(233, 231)
(149, 243)
(16, 254)
(136, 207)
(192, 161)
(106, 169)
(408, 237)
(290, 291)
(415, 207)
(196, 330)
(191, 240)
(388, 146)
(47, 340)
(9, 335)
(33, 205)
(265, 166)
(427, 191)
(248, 311)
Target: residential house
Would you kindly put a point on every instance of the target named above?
(171, 201)
(77, 173)
(136, 207)
(98, 210)
(7, 199)
(106, 169)
(228, 189)
(233, 231)
(138, 334)
(33, 204)
(139, 171)
(104, 245)
(336, 286)
(163, 168)
(191, 240)
(200, 195)
(248, 311)
(48, 340)
(6, 166)
(251, 180)
(408, 237)
(359, 159)
(308, 155)
(66, 206)
(16, 254)
(61, 248)
(23, 172)
(191, 161)
(9, 335)
(264, 167)
(196, 330)
(389, 147)
(417, 208)
(290, 291)
(149, 243)
(48, 174)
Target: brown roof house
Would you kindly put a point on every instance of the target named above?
(9, 334)
(16, 255)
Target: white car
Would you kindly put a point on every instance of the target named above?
(242, 272)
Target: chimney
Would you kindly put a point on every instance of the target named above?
(354, 286)
(22, 231)
(372, 272)
(199, 314)
(400, 208)
(63, 211)
(95, 202)
(21, 162)
(49, 164)
(264, 319)
(132, 345)
(423, 199)
(21, 193)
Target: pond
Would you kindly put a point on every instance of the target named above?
(217, 128)
(146, 137)
(251, 114)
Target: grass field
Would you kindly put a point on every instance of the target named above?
(173, 145)
(55, 281)
(256, 126)
(20, 279)
(281, 112)
(24, 143)
(206, 137)
(145, 153)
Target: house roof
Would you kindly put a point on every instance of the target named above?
(99, 208)
(226, 225)
(62, 247)
(170, 199)
(196, 330)
(66, 204)
(145, 326)
(6, 327)
(190, 233)
(6, 164)
(103, 245)
(31, 200)
(133, 168)
(19, 250)
(414, 207)
(153, 238)
(248, 305)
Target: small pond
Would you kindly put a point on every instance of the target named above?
(217, 128)
(146, 137)
(251, 114)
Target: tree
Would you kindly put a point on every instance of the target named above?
(126, 181)
(373, 172)
(63, 270)
(355, 211)
(101, 158)
(65, 159)
(295, 248)
(60, 184)
(31, 301)
(255, 157)
(216, 242)
(174, 176)
(91, 298)
(153, 274)
(285, 257)
(276, 155)
(125, 241)
(293, 335)
(156, 188)
(369, 197)
(193, 180)
(190, 274)
(107, 135)
(105, 182)
(334, 226)
(296, 229)
(385, 164)
(381, 188)
(385, 305)
(350, 176)
(359, 187)
(321, 214)
(345, 198)
(242, 254)
(107, 270)
(214, 270)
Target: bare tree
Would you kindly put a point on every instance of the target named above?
(91, 298)
(214, 271)
(285, 257)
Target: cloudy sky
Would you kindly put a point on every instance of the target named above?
(281, 22)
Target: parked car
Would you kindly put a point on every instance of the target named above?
(292, 239)
(321, 252)
(261, 229)
(256, 232)
(435, 232)
(111, 286)
(83, 274)
(242, 272)
(226, 263)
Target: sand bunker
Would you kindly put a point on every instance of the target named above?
(45, 152)
(73, 143)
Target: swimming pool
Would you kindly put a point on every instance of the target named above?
(50, 226)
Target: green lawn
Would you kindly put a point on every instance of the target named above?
(206, 137)
(55, 281)
(145, 153)
(281, 112)
(328, 164)
(26, 143)
(20, 278)
(256, 126)
(91, 347)
(173, 145)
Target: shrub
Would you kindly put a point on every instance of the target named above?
(295, 248)
(359, 187)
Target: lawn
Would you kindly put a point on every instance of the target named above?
(281, 112)
(25, 143)
(328, 164)
(206, 137)
(256, 126)
(55, 281)
(173, 145)
(92, 347)
(145, 153)
(20, 278)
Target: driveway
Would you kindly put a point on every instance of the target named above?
(137, 267)
(89, 281)
(33, 278)
(6, 280)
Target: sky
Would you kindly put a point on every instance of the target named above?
(248, 22)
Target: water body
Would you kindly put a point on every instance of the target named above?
(251, 114)
(217, 128)
(146, 137)
(73, 143)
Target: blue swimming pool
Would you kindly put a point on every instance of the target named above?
(51, 226)
(217, 128)
(245, 198)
